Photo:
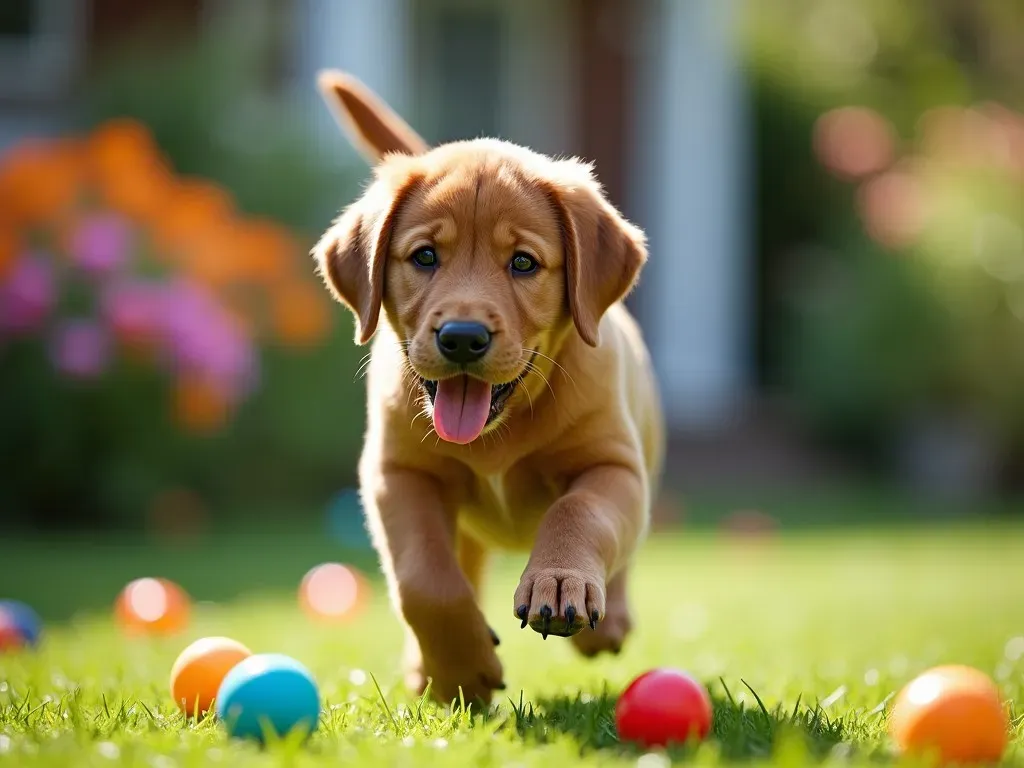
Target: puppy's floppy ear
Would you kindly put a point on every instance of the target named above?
(372, 125)
(604, 253)
(351, 255)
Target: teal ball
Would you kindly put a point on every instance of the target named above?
(268, 693)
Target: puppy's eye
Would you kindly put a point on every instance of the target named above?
(425, 257)
(522, 263)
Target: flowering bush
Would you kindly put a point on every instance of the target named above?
(136, 306)
(946, 211)
(105, 253)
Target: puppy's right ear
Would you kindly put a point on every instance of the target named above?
(351, 255)
(372, 125)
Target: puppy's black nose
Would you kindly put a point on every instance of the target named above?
(463, 342)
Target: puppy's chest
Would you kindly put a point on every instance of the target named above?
(505, 509)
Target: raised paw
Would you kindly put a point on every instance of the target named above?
(558, 601)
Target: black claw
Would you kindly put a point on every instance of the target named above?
(570, 616)
(494, 636)
(593, 619)
(521, 612)
(545, 614)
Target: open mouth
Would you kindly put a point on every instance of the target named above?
(462, 406)
(500, 394)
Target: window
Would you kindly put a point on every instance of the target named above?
(40, 44)
(17, 19)
(459, 57)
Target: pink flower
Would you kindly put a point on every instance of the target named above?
(80, 349)
(854, 142)
(204, 340)
(134, 310)
(28, 296)
(100, 244)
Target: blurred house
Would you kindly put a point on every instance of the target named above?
(650, 90)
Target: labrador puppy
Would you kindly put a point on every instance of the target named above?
(511, 400)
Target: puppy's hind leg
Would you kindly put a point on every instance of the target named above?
(611, 633)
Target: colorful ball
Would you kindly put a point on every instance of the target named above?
(25, 620)
(152, 606)
(662, 707)
(333, 592)
(200, 669)
(268, 693)
(952, 711)
(11, 637)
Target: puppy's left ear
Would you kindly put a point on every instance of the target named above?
(604, 253)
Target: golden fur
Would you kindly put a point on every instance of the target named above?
(569, 468)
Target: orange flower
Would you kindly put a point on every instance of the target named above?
(40, 180)
(301, 317)
(266, 250)
(131, 174)
(215, 258)
(199, 406)
(8, 247)
(194, 209)
(122, 144)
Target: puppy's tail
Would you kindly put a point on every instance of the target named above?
(371, 124)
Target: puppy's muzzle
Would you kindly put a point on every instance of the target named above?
(463, 342)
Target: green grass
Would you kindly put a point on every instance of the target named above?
(825, 626)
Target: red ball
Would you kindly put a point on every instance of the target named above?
(662, 707)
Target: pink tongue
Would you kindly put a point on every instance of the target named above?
(461, 406)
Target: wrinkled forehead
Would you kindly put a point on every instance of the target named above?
(483, 201)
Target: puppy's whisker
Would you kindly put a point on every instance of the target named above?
(363, 367)
(558, 365)
(531, 368)
(529, 397)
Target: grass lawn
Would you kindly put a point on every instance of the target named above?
(825, 625)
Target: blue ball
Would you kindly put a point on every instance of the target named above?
(268, 690)
(25, 619)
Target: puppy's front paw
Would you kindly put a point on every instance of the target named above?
(559, 601)
(456, 654)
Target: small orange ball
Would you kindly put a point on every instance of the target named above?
(152, 606)
(332, 592)
(954, 711)
(199, 670)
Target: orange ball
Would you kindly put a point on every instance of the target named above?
(199, 670)
(953, 711)
(332, 592)
(152, 606)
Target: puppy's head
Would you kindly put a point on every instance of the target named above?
(482, 255)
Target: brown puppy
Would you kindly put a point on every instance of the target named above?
(511, 398)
